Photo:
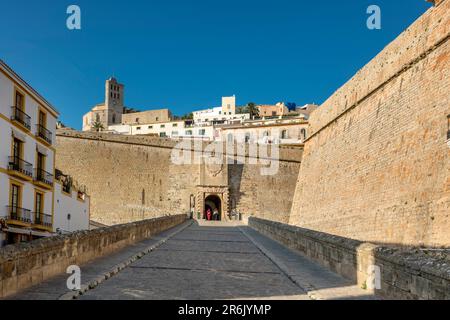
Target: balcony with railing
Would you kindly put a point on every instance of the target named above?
(19, 216)
(43, 133)
(42, 220)
(21, 117)
(20, 168)
(43, 178)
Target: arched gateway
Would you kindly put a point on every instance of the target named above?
(213, 203)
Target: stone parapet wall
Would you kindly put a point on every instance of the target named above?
(27, 264)
(405, 273)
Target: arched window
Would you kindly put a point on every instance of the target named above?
(284, 134)
(230, 137)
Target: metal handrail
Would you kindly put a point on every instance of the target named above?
(42, 219)
(44, 133)
(19, 214)
(20, 116)
(43, 176)
(20, 165)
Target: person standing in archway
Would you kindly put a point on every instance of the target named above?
(208, 214)
(216, 214)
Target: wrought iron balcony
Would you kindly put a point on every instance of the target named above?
(21, 117)
(19, 165)
(44, 133)
(44, 220)
(43, 176)
(19, 214)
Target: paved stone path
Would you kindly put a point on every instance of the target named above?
(207, 261)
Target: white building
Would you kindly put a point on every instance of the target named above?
(72, 205)
(219, 115)
(27, 161)
(288, 130)
(172, 129)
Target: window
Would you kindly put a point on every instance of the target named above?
(39, 206)
(137, 120)
(42, 118)
(20, 101)
(150, 127)
(175, 125)
(202, 132)
(114, 118)
(97, 117)
(247, 137)
(284, 134)
(303, 134)
(40, 162)
(138, 128)
(17, 149)
(157, 118)
(163, 126)
(230, 137)
(174, 133)
(163, 135)
(274, 113)
(15, 199)
(189, 132)
(266, 134)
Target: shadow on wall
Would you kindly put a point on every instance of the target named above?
(392, 271)
(235, 172)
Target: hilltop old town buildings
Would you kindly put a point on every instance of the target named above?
(273, 123)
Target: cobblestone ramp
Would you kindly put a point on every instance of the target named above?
(206, 261)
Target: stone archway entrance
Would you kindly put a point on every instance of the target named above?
(212, 203)
(212, 197)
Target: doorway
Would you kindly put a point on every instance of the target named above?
(213, 203)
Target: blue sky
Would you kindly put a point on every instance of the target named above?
(184, 55)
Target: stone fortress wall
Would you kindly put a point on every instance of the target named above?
(131, 178)
(376, 166)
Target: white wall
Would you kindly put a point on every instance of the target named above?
(65, 205)
(7, 91)
(4, 193)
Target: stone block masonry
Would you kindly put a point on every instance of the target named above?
(131, 178)
(404, 273)
(27, 264)
(376, 166)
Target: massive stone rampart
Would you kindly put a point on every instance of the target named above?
(376, 166)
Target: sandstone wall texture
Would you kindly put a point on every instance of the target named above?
(376, 166)
(131, 178)
(27, 264)
(403, 273)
